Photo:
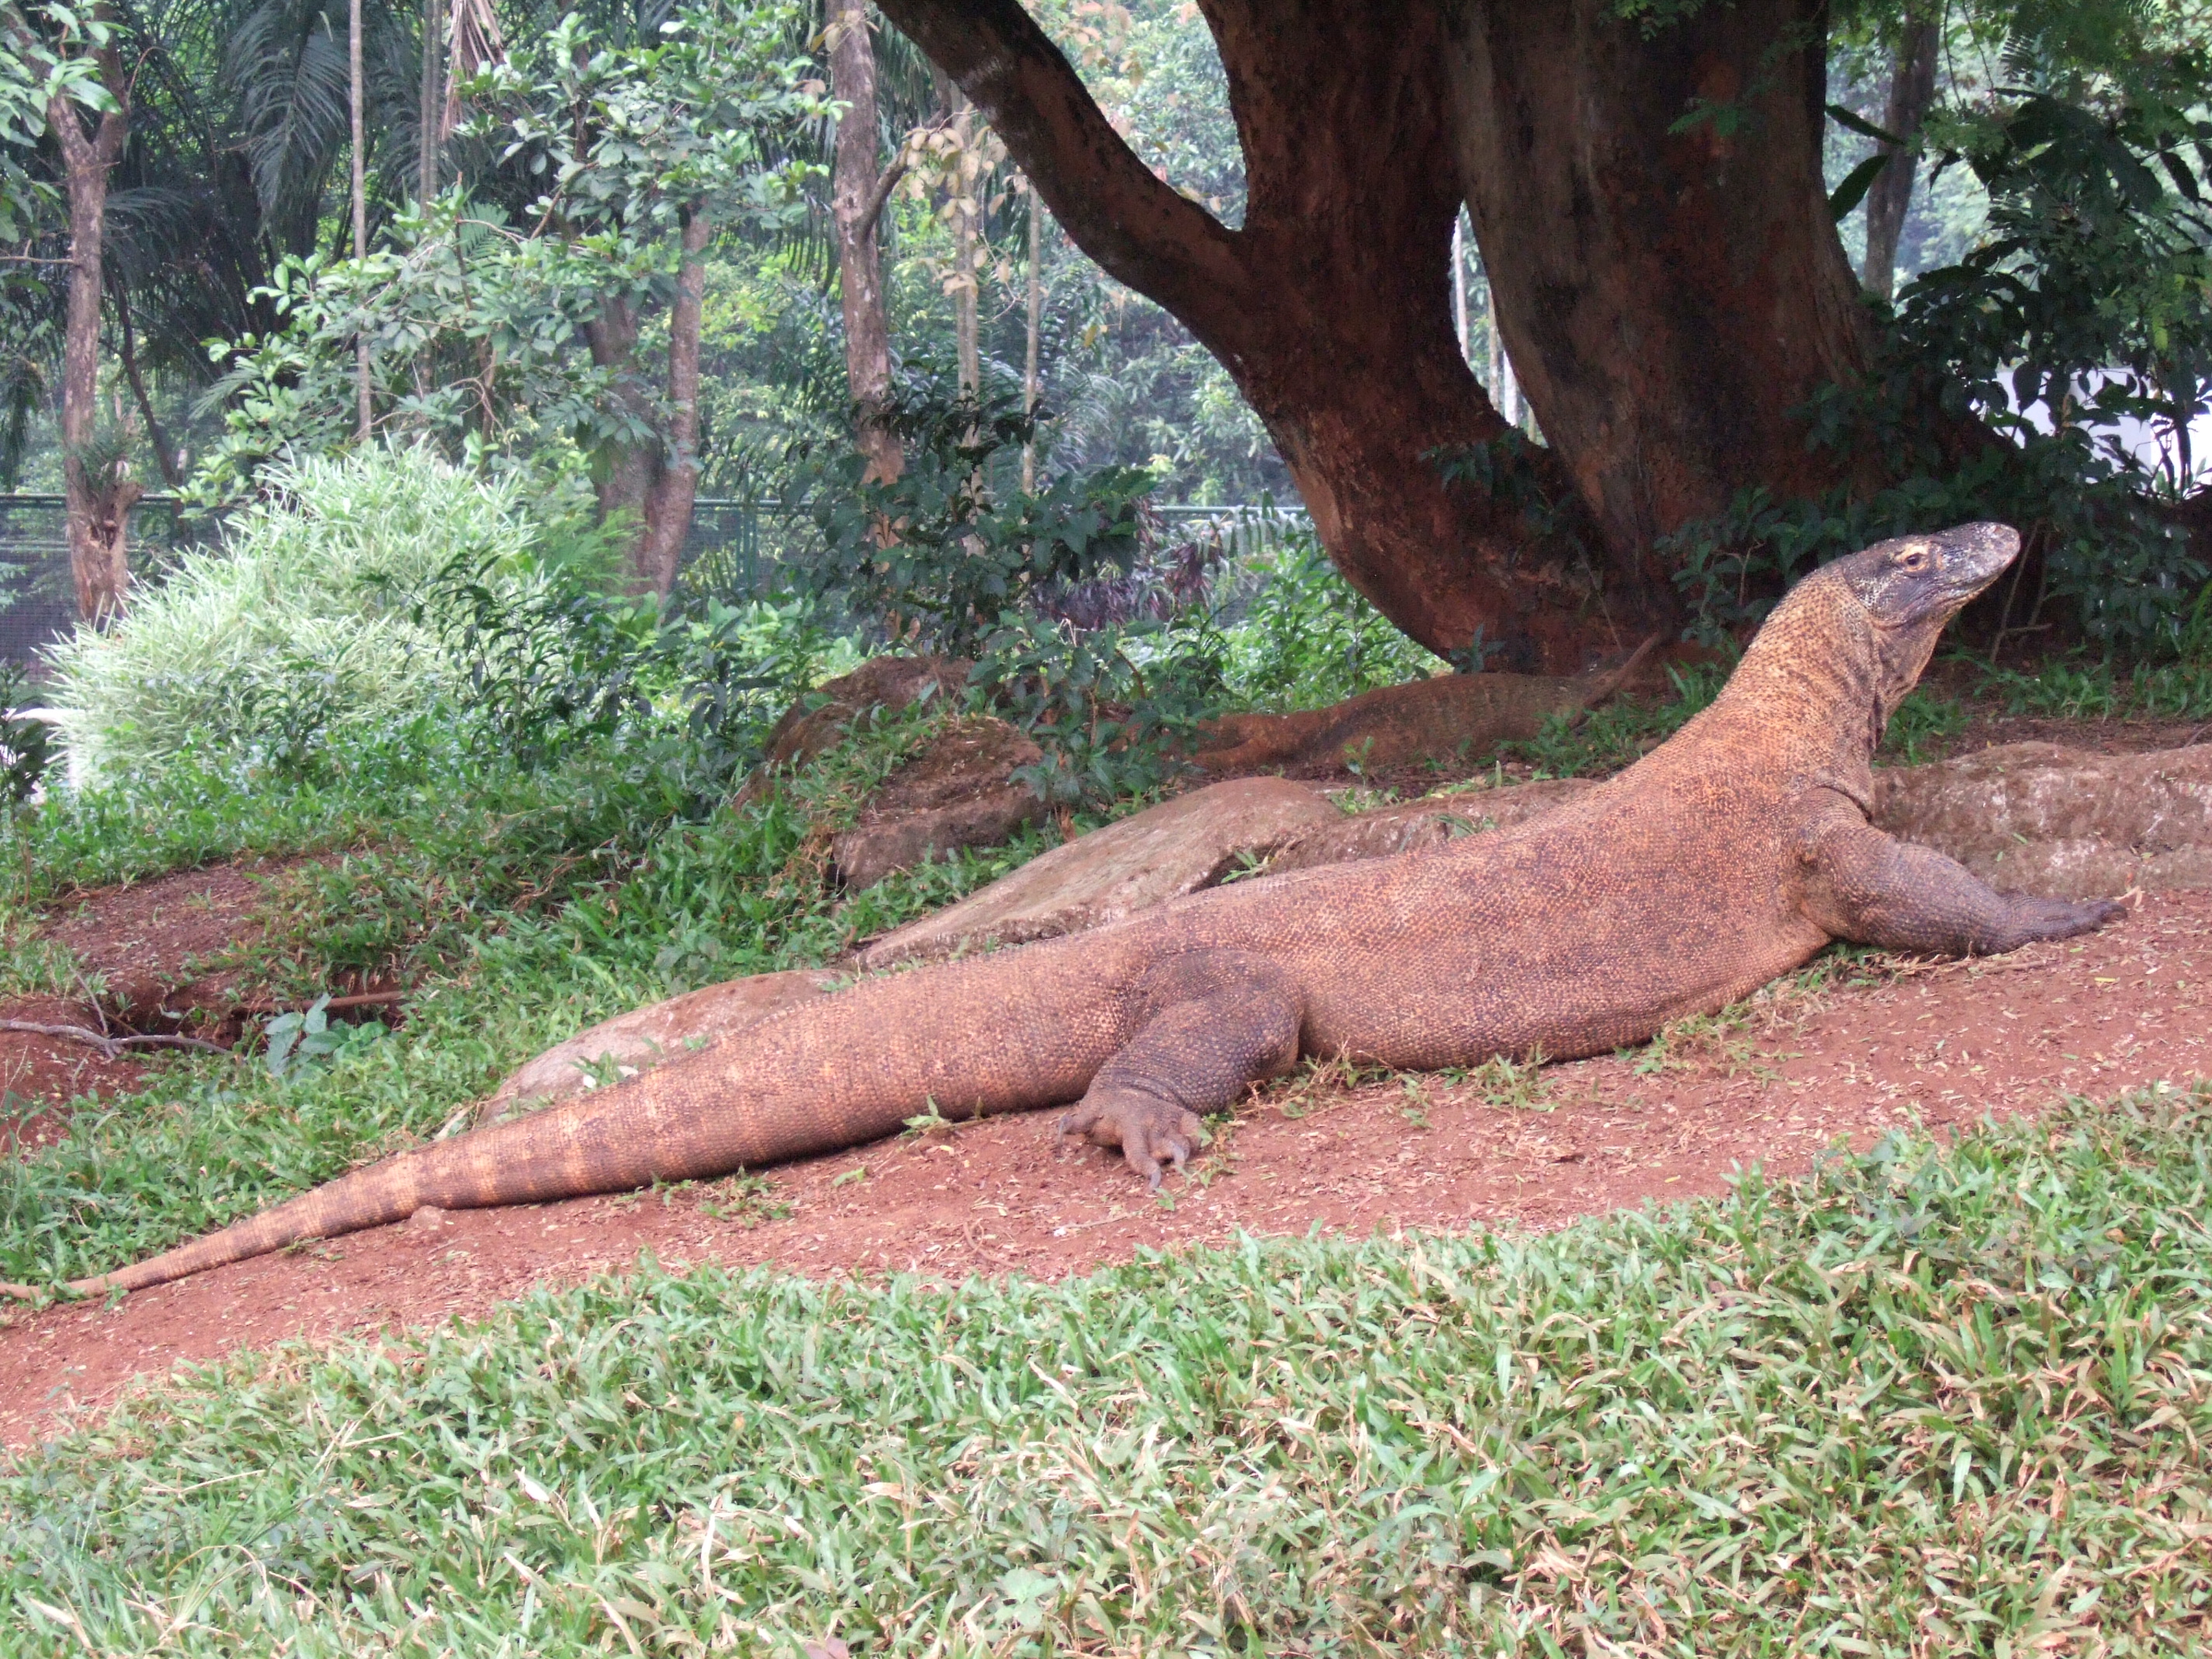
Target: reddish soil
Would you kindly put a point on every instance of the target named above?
(1942, 1042)
(39, 1075)
(164, 954)
(165, 948)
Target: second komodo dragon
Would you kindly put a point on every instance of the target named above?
(1729, 855)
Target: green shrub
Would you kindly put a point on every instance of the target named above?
(300, 627)
(1308, 639)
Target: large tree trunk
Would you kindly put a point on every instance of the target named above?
(99, 494)
(1330, 305)
(1669, 298)
(855, 207)
(1911, 90)
(673, 484)
(1671, 290)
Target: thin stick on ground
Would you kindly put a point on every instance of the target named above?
(110, 1046)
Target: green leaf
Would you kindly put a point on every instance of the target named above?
(1856, 182)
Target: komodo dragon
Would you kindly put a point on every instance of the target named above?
(1729, 855)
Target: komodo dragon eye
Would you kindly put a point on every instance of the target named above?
(1913, 558)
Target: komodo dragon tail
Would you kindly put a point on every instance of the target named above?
(848, 1069)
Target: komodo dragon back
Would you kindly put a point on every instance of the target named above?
(1730, 853)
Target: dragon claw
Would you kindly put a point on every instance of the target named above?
(1146, 1130)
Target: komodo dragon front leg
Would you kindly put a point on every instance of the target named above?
(1211, 1022)
(1872, 888)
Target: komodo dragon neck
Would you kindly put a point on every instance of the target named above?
(1806, 706)
(1728, 854)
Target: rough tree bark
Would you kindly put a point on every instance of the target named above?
(432, 97)
(1670, 290)
(1911, 90)
(99, 496)
(1328, 306)
(855, 208)
(1667, 297)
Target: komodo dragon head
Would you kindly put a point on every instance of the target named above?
(1856, 634)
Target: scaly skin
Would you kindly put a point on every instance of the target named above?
(1729, 855)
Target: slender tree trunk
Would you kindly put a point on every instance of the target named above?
(361, 410)
(624, 466)
(1459, 282)
(673, 484)
(432, 98)
(1034, 334)
(164, 456)
(855, 206)
(967, 188)
(99, 494)
(1502, 392)
(1911, 90)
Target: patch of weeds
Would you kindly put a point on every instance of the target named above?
(929, 1121)
(33, 967)
(1248, 865)
(1308, 1090)
(2088, 690)
(1415, 1111)
(748, 1201)
(1724, 1041)
(294, 1041)
(1507, 1084)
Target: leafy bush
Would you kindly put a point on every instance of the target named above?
(939, 554)
(1307, 638)
(547, 666)
(301, 627)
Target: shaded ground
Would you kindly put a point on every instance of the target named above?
(1846, 1054)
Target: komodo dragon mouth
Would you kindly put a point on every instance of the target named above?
(1729, 855)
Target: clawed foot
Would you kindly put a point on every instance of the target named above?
(2056, 919)
(1146, 1130)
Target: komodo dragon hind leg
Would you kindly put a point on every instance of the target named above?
(1872, 889)
(1213, 1021)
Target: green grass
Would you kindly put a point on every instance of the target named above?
(1938, 1400)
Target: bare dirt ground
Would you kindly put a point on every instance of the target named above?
(153, 958)
(1942, 1042)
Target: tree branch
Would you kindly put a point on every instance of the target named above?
(109, 1046)
(1133, 224)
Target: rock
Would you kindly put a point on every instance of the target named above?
(1177, 847)
(1452, 717)
(1412, 825)
(2032, 818)
(645, 1036)
(956, 792)
(817, 720)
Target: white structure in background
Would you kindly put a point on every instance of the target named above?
(1504, 388)
(2156, 445)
